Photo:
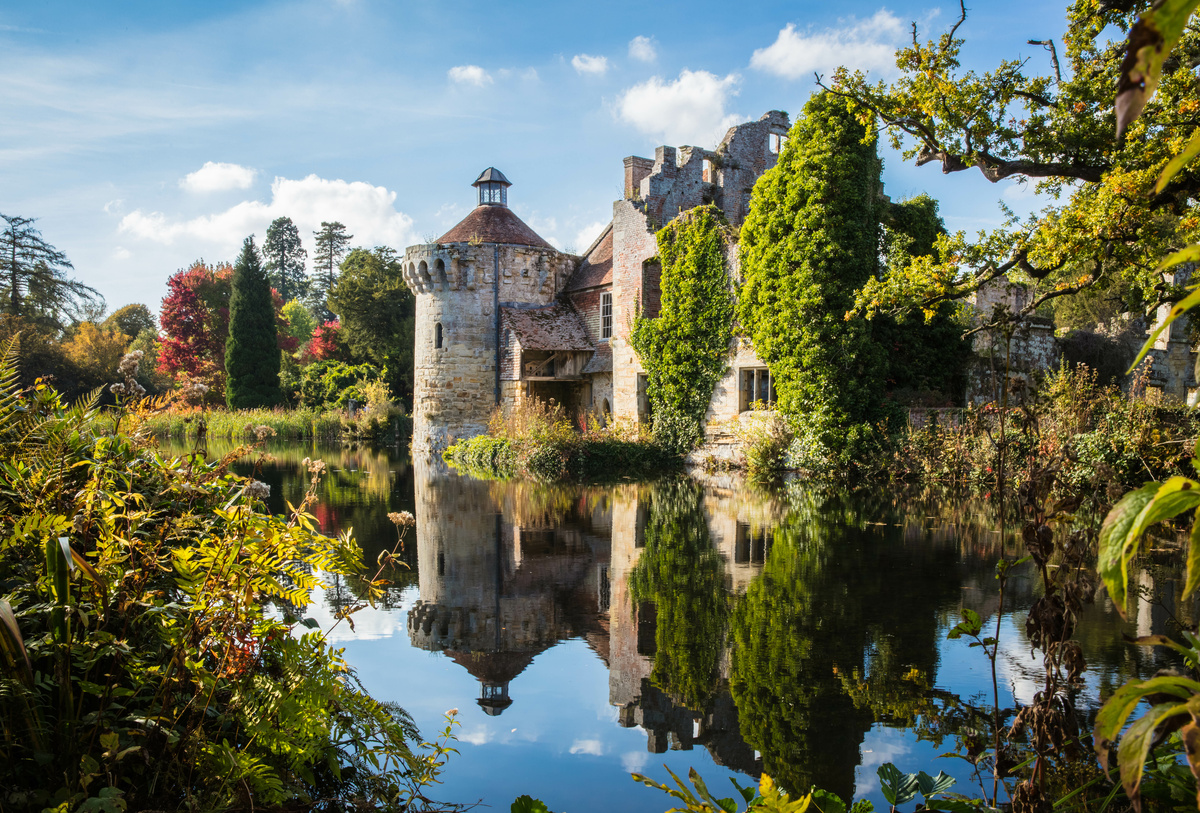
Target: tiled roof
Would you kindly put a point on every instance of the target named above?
(601, 360)
(554, 327)
(596, 268)
(493, 224)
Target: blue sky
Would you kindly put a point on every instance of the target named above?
(146, 135)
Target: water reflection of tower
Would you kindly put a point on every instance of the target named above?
(494, 592)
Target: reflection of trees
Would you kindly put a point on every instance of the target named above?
(683, 576)
(840, 626)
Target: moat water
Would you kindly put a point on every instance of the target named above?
(584, 633)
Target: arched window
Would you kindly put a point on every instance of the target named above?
(440, 272)
(437, 336)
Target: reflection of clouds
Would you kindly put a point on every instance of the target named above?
(635, 761)
(369, 624)
(607, 713)
(879, 746)
(593, 747)
(480, 735)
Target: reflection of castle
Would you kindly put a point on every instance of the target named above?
(494, 593)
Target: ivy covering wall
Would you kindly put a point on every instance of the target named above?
(685, 350)
(810, 241)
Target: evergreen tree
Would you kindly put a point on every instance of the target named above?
(34, 282)
(284, 256)
(252, 349)
(332, 241)
(810, 242)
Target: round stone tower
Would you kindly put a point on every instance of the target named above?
(489, 261)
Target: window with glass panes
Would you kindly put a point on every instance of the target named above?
(605, 316)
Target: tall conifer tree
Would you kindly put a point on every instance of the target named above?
(252, 349)
(284, 256)
(332, 241)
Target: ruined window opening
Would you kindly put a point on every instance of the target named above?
(707, 175)
(437, 336)
(605, 316)
(756, 387)
(775, 143)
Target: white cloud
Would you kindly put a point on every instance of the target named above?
(121, 253)
(642, 49)
(593, 747)
(368, 212)
(480, 735)
(585, 236)
(634, 761)
(689, 110)
(218, 177)
(470, 75)
(595, 65)
(868, 45)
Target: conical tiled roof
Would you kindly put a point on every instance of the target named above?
(494, 224)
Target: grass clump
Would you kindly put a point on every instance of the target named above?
(537, 441)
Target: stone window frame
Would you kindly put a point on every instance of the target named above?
(760, 382)
(439, 342)
(606, 319)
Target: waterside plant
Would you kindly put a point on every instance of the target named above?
(153, 650)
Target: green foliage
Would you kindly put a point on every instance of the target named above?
(151, 653)
(683, 576)
(326, 384)
(132, 320)
(685, 350)
(769, 799)
(810, 241)
(377, 314)
(1111, 218)
(252, 349)
(536, 441)
(527, 804)
(300, 321)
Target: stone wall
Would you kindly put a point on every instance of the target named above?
(455, 385)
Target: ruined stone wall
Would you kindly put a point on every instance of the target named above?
(454, 390)
(602, 390)
(678, 180)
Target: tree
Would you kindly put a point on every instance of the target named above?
(1108, 227)
(810, 241)
(132, 320)
(195, 323)
(377, 315)
(252, 349)
(34, 280)
(685, 349)
(300, 322)
(284, 256)
(331, 247)
(96, 351)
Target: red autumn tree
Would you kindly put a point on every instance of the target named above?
(195, 324)
(326, 343)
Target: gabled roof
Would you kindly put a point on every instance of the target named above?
(596, 268)
(554, 327)
(601, 360)
(494, 224)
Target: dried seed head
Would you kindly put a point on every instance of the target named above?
(257, 490)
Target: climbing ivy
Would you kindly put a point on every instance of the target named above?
(685, 349)
(810, 241)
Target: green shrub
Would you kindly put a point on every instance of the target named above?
(154, 657)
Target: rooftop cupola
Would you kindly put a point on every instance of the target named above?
(493, 187)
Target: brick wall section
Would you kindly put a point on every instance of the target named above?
(587, 304)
